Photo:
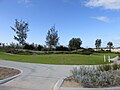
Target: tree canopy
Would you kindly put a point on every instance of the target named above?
(52, 37)
(110, 45)
(21, 29)
(98, 43)
(75, 43)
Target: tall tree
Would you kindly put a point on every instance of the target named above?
(110, 45)
(75, 43)
(98, 43)
(52, 38)
(21, 29)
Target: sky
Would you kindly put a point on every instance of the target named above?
(85, 19)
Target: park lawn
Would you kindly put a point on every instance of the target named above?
(60, 59)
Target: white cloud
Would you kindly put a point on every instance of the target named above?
(102, 18)
(106, 4)
(24, 1)
(74, 2)
(27, 3)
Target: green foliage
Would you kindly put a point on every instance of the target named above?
(110, 45)
(91, 78)
(21, 29)
(52, 38)
(33, 46)
(75, 43)
(29, 46)
(39, 47)
(87, 51)
(13, 51)
(98, 43)
(115, 66)
(108, 67)
(62, 48)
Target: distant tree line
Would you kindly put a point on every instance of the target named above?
(52, 40)
(98, 44)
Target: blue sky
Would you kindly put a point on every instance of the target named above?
(86, 19)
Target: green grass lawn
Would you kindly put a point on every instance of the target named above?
(62, 59)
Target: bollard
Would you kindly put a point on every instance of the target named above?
(108, 58)
(104, 58)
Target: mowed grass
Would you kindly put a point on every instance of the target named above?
(61, 59)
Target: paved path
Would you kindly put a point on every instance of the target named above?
(35, 76)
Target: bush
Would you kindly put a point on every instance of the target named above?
(108, 67)
(39, 47)
(92, 78)
(115, 66)
(62, 48)
(29, 47)
(87, 51)
(104, 67)
(13, 51)
(33, 47)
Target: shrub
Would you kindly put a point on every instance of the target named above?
(106, 67)
(62, 48)
(87, 51)
(29, 47)
(39, 47)
(92, 78)
(115, 66)
(13, 51)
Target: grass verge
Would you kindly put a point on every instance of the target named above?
(61, 59)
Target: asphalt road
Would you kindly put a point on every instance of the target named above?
(35, 76)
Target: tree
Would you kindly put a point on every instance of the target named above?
(29, 46)
(21, 29)
(62, 48)
(39, 47)
(98, 43)
(110, 45)
(75, 43)
(52, 38)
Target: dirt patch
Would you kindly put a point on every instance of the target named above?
(70, 82)
(7, 72)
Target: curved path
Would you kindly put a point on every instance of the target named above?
(35, 76)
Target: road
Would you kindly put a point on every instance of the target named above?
(35, 76)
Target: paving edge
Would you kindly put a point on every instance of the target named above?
(11, 78)
(59, 83)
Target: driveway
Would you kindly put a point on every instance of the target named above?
(35, 76)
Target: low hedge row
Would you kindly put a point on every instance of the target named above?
(30, 52)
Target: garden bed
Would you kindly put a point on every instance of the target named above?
(8, 72)
(70, 82)
(103, 76)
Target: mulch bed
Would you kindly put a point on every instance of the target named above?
(7, 72)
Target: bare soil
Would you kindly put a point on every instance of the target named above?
(70, 82)
(7, 72)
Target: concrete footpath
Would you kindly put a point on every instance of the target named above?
(35, 76)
